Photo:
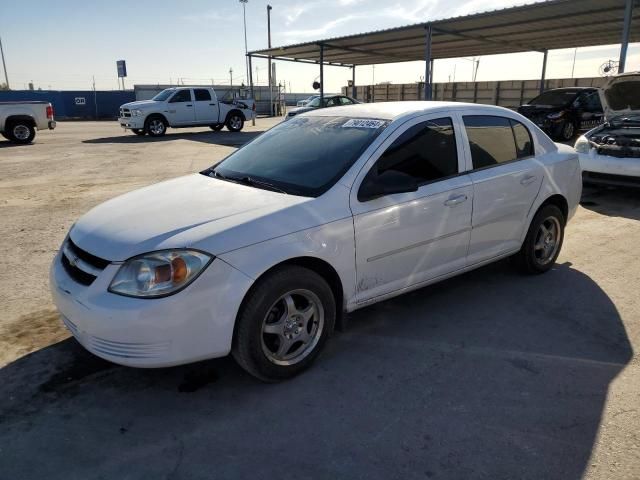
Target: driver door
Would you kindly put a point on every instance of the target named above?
(180, 109)
(404, 239)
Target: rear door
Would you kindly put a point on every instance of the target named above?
(406, 238)
(180, 110)
(506, 180)
(207, 109)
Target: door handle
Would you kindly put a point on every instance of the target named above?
(212, 104)
(188, 105)
(456, 200)
(528, 179)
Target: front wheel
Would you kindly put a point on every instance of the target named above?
(235, 122)
(21, 132)
(284, 323)
(566, 131)
(155, 126)
(138, 131)
(543, 242)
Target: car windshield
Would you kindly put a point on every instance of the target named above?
(316, 102)
(163, 95)
(304, 156)
(555, 98)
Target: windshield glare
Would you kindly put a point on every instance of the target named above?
(304, 156)
(555, 98)
(163, 95)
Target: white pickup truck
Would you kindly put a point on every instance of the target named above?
(20, 120)
(181, 107)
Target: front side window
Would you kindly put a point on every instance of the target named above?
(426, 151)
(303, 156)
(202, 95)
(181, 96)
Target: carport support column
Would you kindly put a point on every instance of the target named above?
(353, 81)
(253, 119)
(544, 70)
(428, 64)
(628, 14)
(321, 75)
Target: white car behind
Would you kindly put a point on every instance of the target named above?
(331, 211)
(610, 153)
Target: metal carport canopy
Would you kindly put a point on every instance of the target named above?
(538, 27)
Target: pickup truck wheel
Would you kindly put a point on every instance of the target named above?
(216, 127)
(156, 126)
(235, 122)
(284, 323)
(21, 132)
(138, 131)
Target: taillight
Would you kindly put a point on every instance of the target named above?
(50, 112)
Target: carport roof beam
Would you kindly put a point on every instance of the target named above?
(539, 26)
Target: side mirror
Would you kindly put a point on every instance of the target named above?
(387, 183)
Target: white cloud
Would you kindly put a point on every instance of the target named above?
(415, 13)
(205, 17)
(476, 6)
(322, 30)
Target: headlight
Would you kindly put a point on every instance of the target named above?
(582, 145)
(135, 113)
(554, 116)
(159, 274)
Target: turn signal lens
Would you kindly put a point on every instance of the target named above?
(158, 274)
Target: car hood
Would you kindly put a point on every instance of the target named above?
(195, 211)
(532, 109)
(139, 104)
(299, 110)
(620, 95)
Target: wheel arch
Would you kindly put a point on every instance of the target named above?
(20, 118)
(235, 110)
(315, 264)
(559, 201)
(156, 114)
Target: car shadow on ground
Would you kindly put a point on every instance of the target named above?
(222, 137)
(489, 375)
(9, 144)
(612, 201)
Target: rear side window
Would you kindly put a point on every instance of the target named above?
(181, 96)
(427, 151)
(202, 95)
(522, 136)
(494, 140)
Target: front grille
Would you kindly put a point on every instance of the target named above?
(610, 179)
(81, 265)
(128, 349)
(125, 113)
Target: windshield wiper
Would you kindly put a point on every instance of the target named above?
(252, 182)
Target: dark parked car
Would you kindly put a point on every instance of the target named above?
(562, 112)
(329, 101)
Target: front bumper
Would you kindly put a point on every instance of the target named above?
(131, 122)
(194, 324)
(608, 170)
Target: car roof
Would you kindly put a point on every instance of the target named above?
(393, 110)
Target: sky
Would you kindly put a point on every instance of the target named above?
(65, 44)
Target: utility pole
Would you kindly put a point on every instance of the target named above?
(4, 66)
(231, 76)
(95, 96)
(246, 51)
(269, 43)
(573, 67)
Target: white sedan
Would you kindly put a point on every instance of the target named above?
(331, 211)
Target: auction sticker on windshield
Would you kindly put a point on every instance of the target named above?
(363, 123)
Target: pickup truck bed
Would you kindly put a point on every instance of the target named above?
(19, 121)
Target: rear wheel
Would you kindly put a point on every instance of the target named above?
(235, 122)
(543, 242)
(156, 126)
(138, 131)
(21, 131)
(284, 323)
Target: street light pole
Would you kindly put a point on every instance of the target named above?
(4, 66)
(246, 51)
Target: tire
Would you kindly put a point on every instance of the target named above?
(565, 131)
(155, 126)
(543, 242)
(139, 131)
(21, 131)
(284, 323)
(217, 127)
(235, 122)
